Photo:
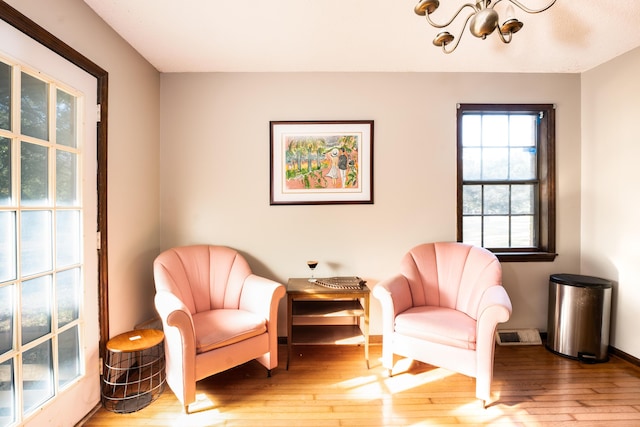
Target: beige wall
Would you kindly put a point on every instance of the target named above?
(610, 203)
(133, 208)
(214, 165)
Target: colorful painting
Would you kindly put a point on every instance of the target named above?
(321, 162)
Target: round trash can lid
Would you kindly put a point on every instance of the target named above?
(581, 281)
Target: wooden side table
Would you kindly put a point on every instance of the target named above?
(307, 302)
(134, 371)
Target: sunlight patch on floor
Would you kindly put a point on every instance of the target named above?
(403, 380)
(362, 386)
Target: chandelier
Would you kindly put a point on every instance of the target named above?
(483, 20)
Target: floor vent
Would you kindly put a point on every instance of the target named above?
(518, 337)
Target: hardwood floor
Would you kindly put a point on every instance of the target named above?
(331, 386)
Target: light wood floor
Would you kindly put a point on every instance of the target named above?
(331, 386)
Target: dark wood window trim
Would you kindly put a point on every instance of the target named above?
(42, 36)
(546, 249)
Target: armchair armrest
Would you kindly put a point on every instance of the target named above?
(179, 342)
(395, 297)
(255, 294)
(495, 307)
(394, 293)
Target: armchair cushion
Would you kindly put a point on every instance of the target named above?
(438, 325)
(217, 328)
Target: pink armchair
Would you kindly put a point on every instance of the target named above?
(215, 314)
(443, 309)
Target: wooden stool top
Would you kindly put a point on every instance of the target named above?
(137, 340)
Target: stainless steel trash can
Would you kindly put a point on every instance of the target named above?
(579, 317)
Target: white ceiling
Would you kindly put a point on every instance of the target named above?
(364, 35)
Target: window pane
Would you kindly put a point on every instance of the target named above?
(37, 373)
(496, 231)
(34, 174)
(66, 119)
(68, 294)
(522, 199)
(522, 233)
(5, 172)
(472, 163)
(8, 393)
(7, 246)
(5, 96)
(36, 242)
(69, 366)
(522, 130)
(495, 130)
(67, 238)
(496, 199)
(66, 178)
(472, 200)
(36, 308)
(471, 130)
(34, 107)
(495, 163)
(6, 320)
(522, 163)
(472, 230)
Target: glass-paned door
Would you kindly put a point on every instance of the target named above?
(44, 256)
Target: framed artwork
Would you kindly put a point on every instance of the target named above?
(321, 162)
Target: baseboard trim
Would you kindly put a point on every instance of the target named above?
(624, 356)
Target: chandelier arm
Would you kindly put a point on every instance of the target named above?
(436, 25)
(505, 40)
(459, 37)
(526, 9)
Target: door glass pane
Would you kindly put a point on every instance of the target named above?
(67, 238)
(35, 253)
(7, 246)
(36, 308)
(34, 107)
(5, 171)
(5, 96)
(65, 119)
(69, 366)
(6, 320)
(7, 393)
(66, 178)
(68, 296)
(34, 175)
(37, 375)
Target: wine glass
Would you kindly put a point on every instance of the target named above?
(312, 265)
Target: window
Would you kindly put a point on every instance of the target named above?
(506, 197)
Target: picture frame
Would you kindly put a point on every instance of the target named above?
(321, 162)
